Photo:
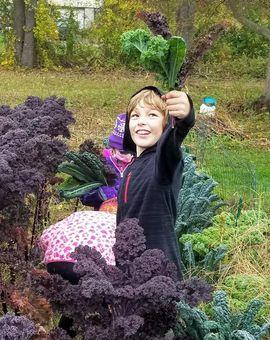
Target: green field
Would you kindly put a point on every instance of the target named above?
(240, 168)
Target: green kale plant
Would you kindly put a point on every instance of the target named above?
(225, 325)
(249, 232)
(197, 204)
(242, 288)
(156, 54)
(86, 170)
(192, 264)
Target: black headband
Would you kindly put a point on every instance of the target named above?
(150, 88)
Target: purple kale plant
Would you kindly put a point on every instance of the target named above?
(17, 327)
(30, 149)
(137, 299)
(57, 334)
(32, 146)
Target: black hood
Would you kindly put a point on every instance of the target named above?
(128, 144)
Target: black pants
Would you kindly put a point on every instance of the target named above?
(65, 269)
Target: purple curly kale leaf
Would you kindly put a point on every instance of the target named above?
(129, 325)
(194, 291)
(30, 150)
(5, 110)
(57, 334)
(90, 146)
(156, 22)
(17, 327)
(130, 241)
(91, 288)
(6, 124)
(48, 116)
(152, 262)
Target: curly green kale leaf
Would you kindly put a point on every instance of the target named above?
(135, 42)
(155, 57)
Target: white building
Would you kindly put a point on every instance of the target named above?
(84, 10)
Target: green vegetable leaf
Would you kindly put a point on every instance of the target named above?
(69, 183)
(70, 191)
(177, 52)
(135, 42)
(155, 58)
(75, 171)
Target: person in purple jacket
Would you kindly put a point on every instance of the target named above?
(105, 197)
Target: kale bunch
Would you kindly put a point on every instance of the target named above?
(156, 54)
(91, 147)
(158, 25)
(16, 327)
(134, 300)
(87, 170)
(29, 148)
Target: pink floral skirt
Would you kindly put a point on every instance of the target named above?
(93, 228)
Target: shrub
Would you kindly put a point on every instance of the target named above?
(232, 67)
(46, 33)
(7, 38)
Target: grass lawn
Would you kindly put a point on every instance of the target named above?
(241, 168)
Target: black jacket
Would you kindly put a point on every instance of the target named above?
(150, 187)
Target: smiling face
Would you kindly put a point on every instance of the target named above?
(146, 124)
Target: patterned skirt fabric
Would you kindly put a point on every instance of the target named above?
(93, 228)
